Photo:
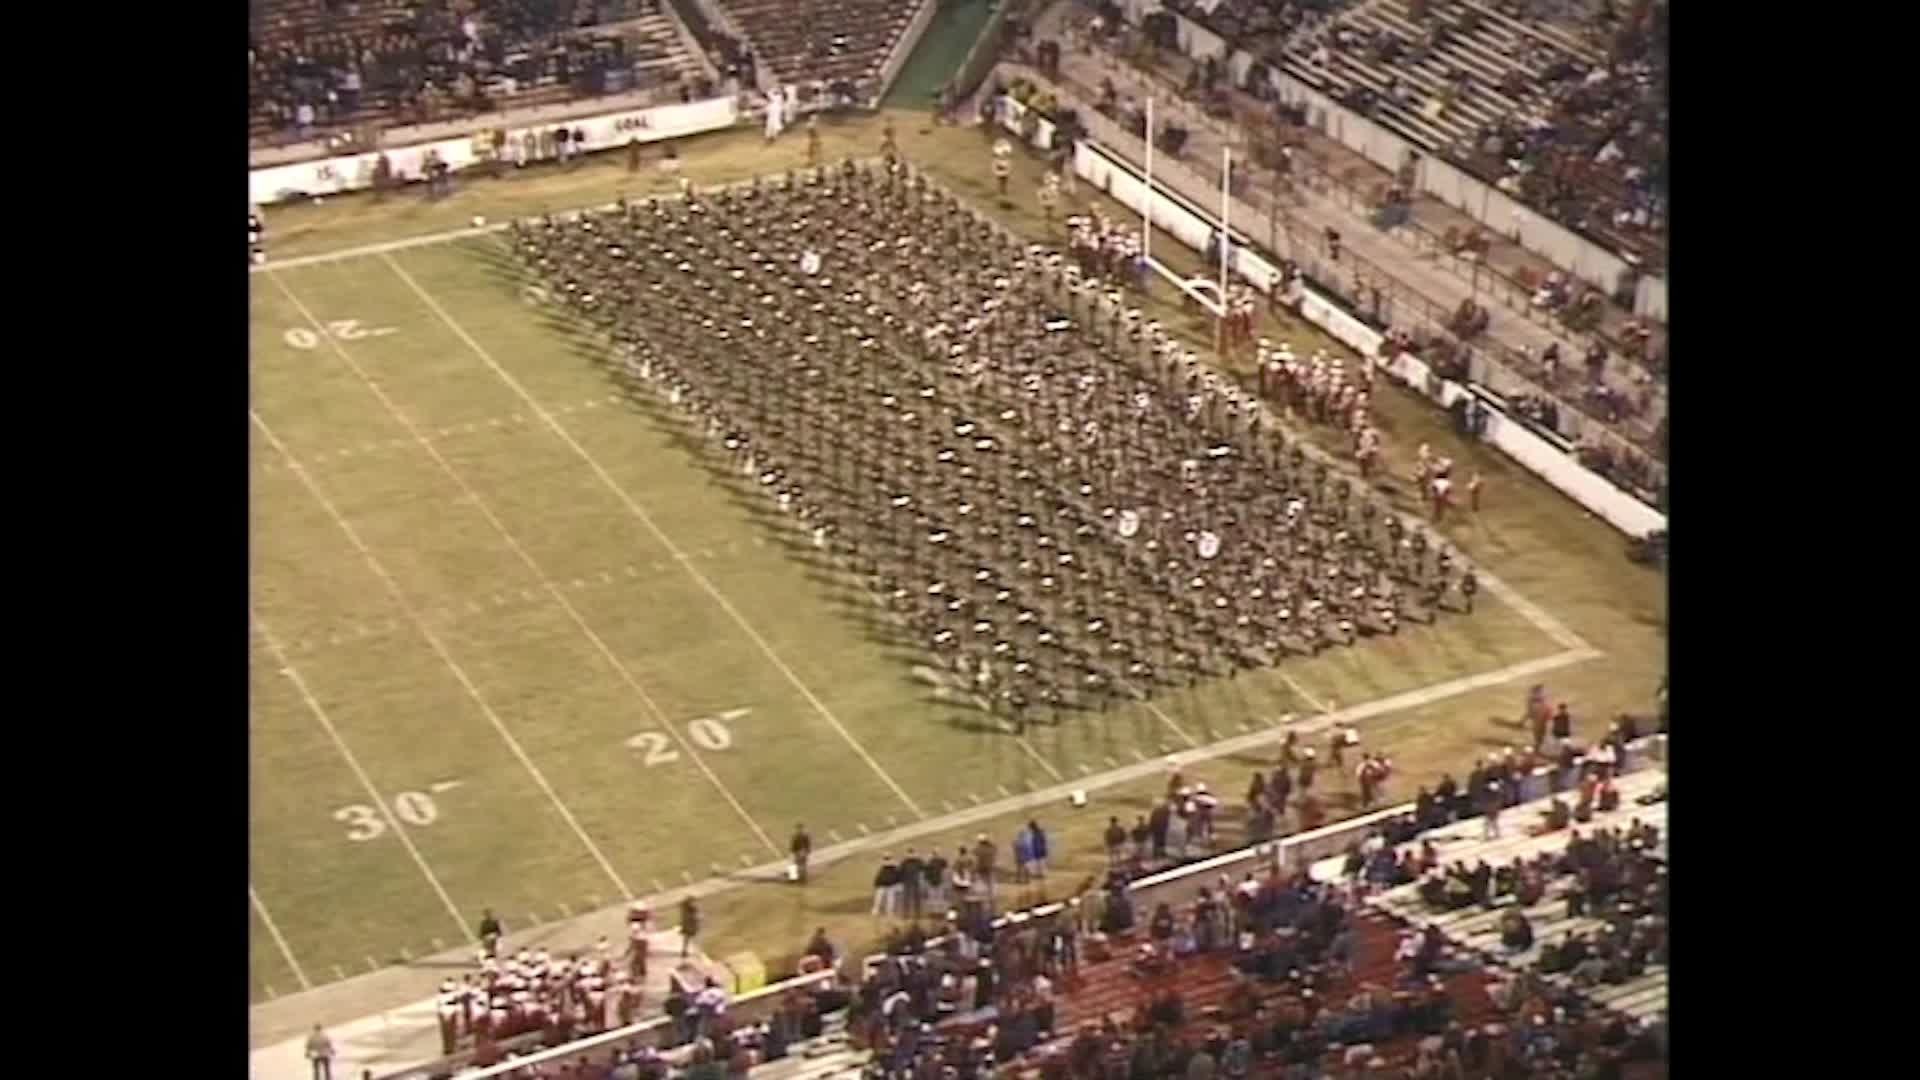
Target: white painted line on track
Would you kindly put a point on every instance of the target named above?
(639, 513)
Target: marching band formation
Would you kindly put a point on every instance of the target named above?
(1050, 491)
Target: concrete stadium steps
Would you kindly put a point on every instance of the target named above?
(1539, 30)
(782, 32)
(656, 45)
(1497, 46)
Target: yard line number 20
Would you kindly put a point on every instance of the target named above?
(340, 329)
(365, 822)
(707, 733)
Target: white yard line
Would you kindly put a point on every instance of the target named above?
(278, 938)
(1534, 613)
(679, 556)
(553, 590)
(1035, 755)
(433, 641)
(1318, 705)
(1168, 720)
(313, 705)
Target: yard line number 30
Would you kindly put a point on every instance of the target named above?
(707, 733)
(365, 822)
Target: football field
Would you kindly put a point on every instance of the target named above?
(517, 646)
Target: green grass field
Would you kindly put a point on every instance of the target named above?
(515, 648)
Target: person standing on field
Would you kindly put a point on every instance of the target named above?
(913, 880)
(689, 925)
(886, 887)
(639, 923)
(320, 1052)
(490, 933)
(1039, 849)
(936, 873)
(802, 848)
(984, 854)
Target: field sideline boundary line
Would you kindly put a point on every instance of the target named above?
(399, 830)
(553, 590)
(449, 236)
(279, 939)
(369, 250)
(1419, 697)
(640, 513)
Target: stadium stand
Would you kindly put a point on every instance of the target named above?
(1562, 104)
(825, 40)
(1567, 361)
(1281, 973)
(324, 66)
(1271, 965)
(1276, 975)
(730, 55)
(1580, 903)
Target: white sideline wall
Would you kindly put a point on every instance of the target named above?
(353, 172)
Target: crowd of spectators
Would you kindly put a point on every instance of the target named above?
(1597, 160)
(1275, 974)
(973, 998)
(1612, 874)
(1562, 105)
(313, 66)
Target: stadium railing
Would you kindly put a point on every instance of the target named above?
(1633, 512)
